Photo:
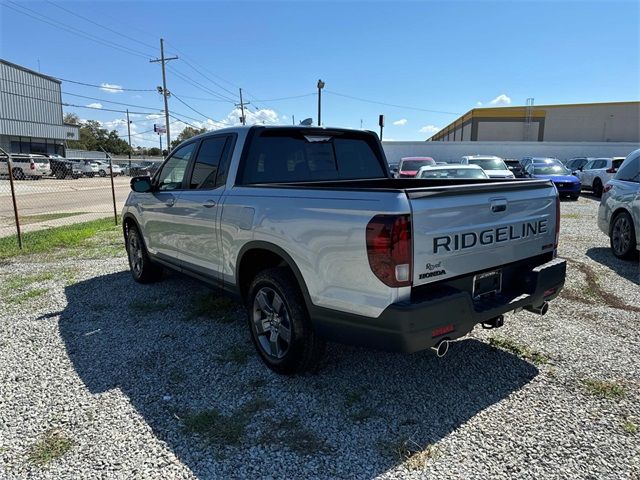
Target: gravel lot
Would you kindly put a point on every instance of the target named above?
(104, 378)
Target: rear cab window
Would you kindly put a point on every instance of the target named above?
(301, 155)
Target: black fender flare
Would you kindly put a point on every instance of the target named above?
(262, 245)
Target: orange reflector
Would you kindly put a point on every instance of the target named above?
(442, 330)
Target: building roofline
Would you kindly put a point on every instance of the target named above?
(28, 70)
(477, 111)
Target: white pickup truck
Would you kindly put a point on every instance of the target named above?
(308, 228)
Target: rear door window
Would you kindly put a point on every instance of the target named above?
(630, 170)
(173, 171)
(299, 155)
(205, 168)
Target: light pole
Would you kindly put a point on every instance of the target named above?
(320, 87)
(129, 133)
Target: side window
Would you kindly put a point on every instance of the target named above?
(630, 171)
(205, 168)
(173, 171)
(588, 165)
(601, 164)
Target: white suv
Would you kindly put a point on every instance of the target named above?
(25, 166)
(492, 165)
(89, 168)
(597, 172)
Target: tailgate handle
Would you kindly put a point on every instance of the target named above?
(499, 205)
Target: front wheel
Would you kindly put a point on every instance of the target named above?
(279, 323)
(102, 173)
(575, 197)
(623, 236)
(18, 174)
(142, 268)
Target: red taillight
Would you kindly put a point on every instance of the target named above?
(607, 187)
(612, 170)
(32, 165)
(557, 222)
(389, 249)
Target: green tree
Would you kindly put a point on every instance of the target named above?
(154, 152)
(185, 134)
(71, 118)
(94, 137)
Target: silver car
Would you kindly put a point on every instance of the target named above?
(619, 212)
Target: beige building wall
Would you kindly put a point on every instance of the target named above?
(607, 123)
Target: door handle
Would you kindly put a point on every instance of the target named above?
(170, 202)
(209, 204)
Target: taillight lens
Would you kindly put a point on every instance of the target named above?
(607, 187)
(32, 165)
(389, 249)
(612, 170)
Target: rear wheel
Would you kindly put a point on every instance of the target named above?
(597, 187)
(279, 323)
(18, 174)
(623, 236)
(102, 173)
(575, 196)
(142, 268)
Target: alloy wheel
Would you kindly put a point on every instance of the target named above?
(621, 235)
(272, 323)
(135, 253)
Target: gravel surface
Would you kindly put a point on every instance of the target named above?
(104, 378)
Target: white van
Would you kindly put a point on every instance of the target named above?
(88, 167)
(25, 166)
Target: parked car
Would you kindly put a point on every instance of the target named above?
(104, 169)
(62, 168)
(526, 161)
(144, 168)
(493, 166)
(409, 166)
(516, 168)
(357, 257)
(88, 167)
(566, 183)
(619, 212)
(452, 171)
(25, 166)
(393, 168)
(577, 164)
(597, 172)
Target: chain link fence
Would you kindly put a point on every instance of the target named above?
(39, 193)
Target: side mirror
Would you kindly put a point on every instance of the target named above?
(141, 184)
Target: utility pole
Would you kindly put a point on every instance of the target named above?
(293, 119)
(165, 92)
(129, 133)
(160, 137)
(320, 87)
(381, 124)
(243, 119)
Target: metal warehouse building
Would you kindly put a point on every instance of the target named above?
(584, 122)
(31, 117)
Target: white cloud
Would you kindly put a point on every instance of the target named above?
(502, 99)
(111, 88)
(401, 122)
(429, 129)
(479, 104)
(94, 105)
(154, 116)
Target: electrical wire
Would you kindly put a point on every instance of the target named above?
(390, 104)
(56, 23)
(199, 85)
(198, 112)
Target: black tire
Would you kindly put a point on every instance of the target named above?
(102, 173)
(575, 197)
(142, 268)
(304, 349)
(622, 236)
(18, 174)
(597, 187)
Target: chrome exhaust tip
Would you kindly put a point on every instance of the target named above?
(441, 348)
(540, 309)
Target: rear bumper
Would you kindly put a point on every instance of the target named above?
(567, 188)
(410, 326)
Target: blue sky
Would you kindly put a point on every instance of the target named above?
(433, 56)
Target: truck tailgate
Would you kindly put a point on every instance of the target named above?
(465, 229)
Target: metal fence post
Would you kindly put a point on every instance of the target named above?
(113, 190)
(13, 197)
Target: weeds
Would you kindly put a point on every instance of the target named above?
(522, 351)
(630, 427)
(410, 454)
(603, 388)
(291, 434)
(53, 445)
(209, 306)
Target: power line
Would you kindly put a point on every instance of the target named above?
(199, 113)
(390, 104)
(102, 87)
(288, 98)
(200, 86)
(56, 23)
(100, 25)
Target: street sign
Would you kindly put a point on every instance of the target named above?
(159, 129)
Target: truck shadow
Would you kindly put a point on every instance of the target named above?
(363, 413)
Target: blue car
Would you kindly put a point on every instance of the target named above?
(567, 184)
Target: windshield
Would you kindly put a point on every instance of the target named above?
(297, 155)
(415, 164)
(550, 170)
(488, 163)
(454, 173)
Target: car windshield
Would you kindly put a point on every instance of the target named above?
(488, 163)
(415, 164)
(454, 173)
(550, 170)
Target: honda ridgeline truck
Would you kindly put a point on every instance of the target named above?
(309, 229)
